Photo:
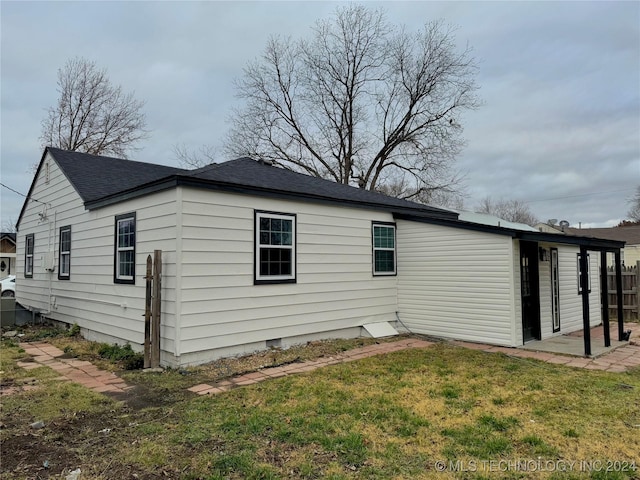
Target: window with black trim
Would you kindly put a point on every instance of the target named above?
(28, 255)
(275, 247)
(64, 254)
(580, 273)
(384, 249)
(125, 249)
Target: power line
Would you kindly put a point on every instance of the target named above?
(22, 194)
(579, 195)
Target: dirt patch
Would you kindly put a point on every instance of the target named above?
(33, 455)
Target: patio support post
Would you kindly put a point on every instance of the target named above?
(604, 295)
(584, 290)
(619, 295)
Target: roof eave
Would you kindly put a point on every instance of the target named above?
(589, 242)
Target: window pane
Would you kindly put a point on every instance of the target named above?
(384, 261)
(383, 237)
(126, 233)
(125, 263)
(276, 238)
(65, 264)
(265, 224)
(275, 261)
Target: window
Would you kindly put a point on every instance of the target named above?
(275, 260)
(125, 249)
(64, 252)
(580, 273)
(28, 256)
(384, 249)
(555, 290)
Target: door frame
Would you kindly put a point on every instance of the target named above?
(529, 250)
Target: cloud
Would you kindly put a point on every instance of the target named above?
(559, 81)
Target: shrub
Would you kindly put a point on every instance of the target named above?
(123, 354)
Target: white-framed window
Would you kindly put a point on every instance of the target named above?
(125, 249)
(384, 248)
(275, 247)
(28, 255)
(64, 254)
(580, 273)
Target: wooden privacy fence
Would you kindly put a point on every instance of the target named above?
(630, 295)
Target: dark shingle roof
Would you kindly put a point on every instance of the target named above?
(629, 234)
(96, 177)
(104, 180)
(247, 172)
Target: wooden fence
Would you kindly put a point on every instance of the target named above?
(630, 292)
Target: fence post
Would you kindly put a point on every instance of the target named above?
(147, 315)
(157, 303)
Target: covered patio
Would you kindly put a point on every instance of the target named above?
(573, 343)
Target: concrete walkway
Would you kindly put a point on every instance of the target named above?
(71, 369)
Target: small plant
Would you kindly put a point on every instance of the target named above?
(74, 331)
(123, 354)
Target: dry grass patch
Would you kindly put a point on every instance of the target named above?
(385, 417)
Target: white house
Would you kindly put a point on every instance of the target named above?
(256, 255)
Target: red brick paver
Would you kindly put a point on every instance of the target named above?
(71, 369)
(293, 368)
(617, 361)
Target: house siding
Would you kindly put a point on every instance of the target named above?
(104, 310)
(334, 290)
(456, 283)
(570, 300)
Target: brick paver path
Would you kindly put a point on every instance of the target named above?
(292, 368)
(78, 371)
(618, 360)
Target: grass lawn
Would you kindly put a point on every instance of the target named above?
(407, 415)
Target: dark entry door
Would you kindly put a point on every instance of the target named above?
(530, 288)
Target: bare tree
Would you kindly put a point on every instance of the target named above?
(92, 115)
(509, 210)
(360, 102)
(634, 206)
(9, 225)
(192, 158)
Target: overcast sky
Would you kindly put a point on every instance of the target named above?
(560, 82)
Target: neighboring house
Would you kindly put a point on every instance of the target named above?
(255, 256)
(629, 234)
(7, 254)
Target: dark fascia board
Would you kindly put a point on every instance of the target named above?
(589, 242)
(153, 187)
(476, 227)
(187, 181)
(33, 183)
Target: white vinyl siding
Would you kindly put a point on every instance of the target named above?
(108, 311)
(221, 307)
(456, 283)
(570, 300)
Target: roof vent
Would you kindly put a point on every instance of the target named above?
(263, 161)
